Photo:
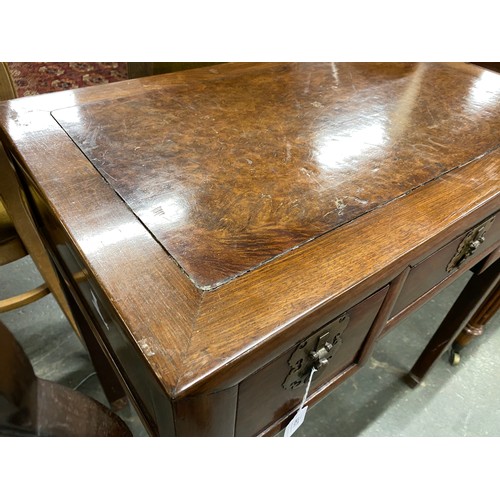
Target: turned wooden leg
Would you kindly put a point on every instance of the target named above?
(475, 327)
(478, 288)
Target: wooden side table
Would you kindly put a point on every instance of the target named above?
(222, 231)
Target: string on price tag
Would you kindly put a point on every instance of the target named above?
(298, 420)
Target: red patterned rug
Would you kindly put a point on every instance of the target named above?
(43, 77)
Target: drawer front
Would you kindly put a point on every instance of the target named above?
(276, 389)
(458, 255)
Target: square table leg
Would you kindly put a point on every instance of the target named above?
(473, 296)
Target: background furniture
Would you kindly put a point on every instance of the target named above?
(12, 249)
(141, 69)
(30, 406)
(11, 246)
(19, 235)
(7, 86)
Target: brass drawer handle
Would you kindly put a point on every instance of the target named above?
(469, 245)
(315, 352)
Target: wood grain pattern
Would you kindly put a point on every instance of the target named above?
(232, 172)
(197, 340)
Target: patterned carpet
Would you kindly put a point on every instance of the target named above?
(42, 77)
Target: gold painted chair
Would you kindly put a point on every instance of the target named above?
(11, 245)
(20, 236)
(12, 249)
(7, 87)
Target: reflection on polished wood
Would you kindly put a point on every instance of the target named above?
(218, 217)
(250, 146)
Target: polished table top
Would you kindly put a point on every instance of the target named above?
(235, 169)
(222, 212)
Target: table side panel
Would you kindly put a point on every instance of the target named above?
(139, 377)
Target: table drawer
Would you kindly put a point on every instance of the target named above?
(457, 255)
(277, 388)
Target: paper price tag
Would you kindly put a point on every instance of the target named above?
(298, 420)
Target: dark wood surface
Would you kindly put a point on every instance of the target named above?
(217, 170)
(433, 270)
(258, 409)
(192, 300)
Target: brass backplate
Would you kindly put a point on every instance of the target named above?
(326, 342)
(470, 243)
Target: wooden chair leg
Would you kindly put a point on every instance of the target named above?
(475, 327)
(473, 295)
(16, 205)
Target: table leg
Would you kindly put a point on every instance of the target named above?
(477, 290)
(475, 327)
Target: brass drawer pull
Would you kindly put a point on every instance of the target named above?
(315, 352)
(469, 245)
